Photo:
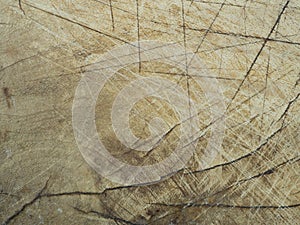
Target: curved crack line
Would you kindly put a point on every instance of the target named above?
(243, 156)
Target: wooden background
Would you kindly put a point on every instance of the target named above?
(252, 48)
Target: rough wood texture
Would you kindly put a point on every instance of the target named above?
(251, 48)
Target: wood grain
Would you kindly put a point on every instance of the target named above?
(251, 48)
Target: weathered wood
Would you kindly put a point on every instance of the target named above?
(237, 65)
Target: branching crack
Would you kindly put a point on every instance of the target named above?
(17, 213)
(258, 54)
(106, 216)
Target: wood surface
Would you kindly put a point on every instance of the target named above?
(250, 48)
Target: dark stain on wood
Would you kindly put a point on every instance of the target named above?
(4, 135)
(7, 97)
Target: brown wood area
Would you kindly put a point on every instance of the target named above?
(209, 87)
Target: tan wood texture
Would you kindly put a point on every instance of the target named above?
(251, 49)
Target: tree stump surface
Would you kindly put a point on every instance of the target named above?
(216, 80)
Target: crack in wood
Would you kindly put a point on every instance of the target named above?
(258, 54)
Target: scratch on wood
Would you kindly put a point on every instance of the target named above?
(112, 15)
(17, 213)
(266, 87)
(220, 205)
(138, 33)
(80, 24)
(219, 32)
(106, 216)
(258, 54)
(207, 31)
(290, 103)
